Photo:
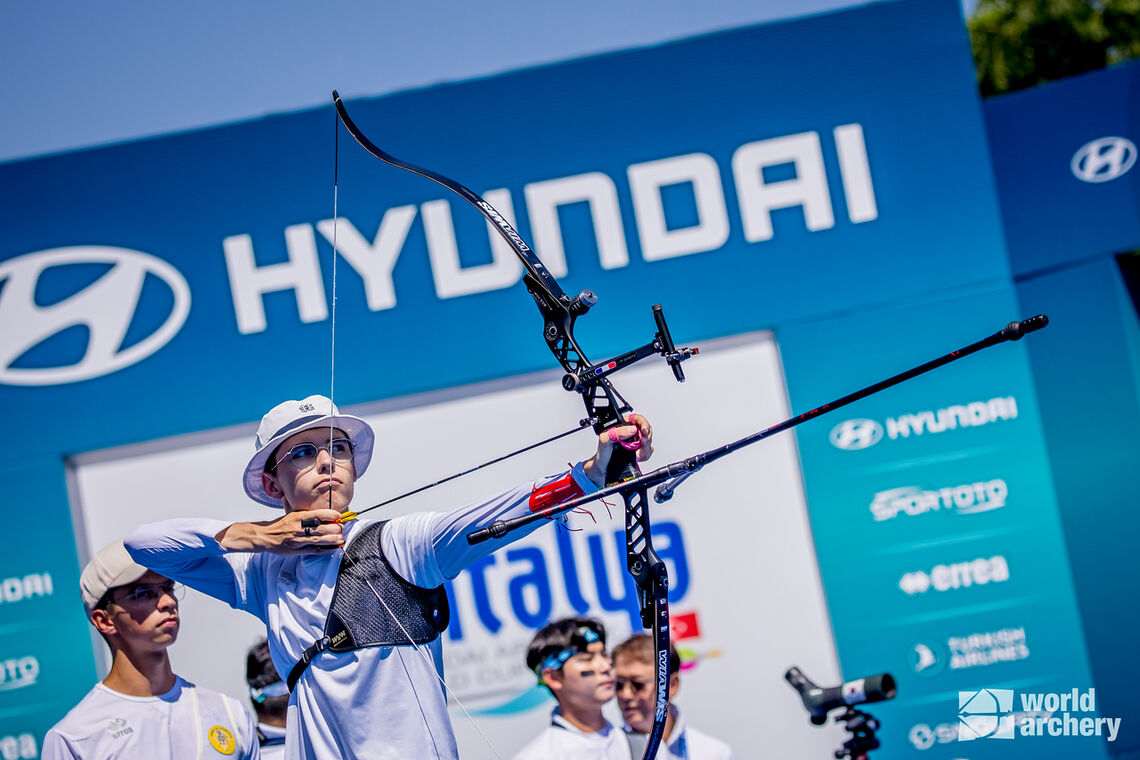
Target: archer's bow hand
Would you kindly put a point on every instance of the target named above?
(636, 436)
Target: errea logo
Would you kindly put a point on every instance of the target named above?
(105, 309)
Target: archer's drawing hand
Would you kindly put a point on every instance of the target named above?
(636, 436)
(286, 534)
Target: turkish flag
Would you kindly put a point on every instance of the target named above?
(684, 626)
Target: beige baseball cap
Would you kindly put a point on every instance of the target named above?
(112, 566)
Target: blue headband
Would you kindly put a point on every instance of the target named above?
(275, 689)
(582, 638)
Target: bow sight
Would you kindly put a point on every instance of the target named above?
(662, 343)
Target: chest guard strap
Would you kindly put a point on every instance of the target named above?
(356, 617)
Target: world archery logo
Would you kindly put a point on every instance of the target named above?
(71, 314)
(985, 714)
(1103, 159)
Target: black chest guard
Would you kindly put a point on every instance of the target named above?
(358, 619)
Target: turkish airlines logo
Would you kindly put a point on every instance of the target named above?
(1103, 159)
(856, 434)
(106, 307)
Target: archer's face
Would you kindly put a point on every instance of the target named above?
(586, 678)
(326, 482)
(143, 615)
(636, 692)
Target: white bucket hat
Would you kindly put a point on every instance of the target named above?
(292, 417)
(110, 568)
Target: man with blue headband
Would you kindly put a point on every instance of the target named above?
(569, 658)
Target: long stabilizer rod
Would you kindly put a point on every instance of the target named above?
(672, 475)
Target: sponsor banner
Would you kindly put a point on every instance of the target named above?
(940, 726)
(19, 746)
(46, 663)
(859, 433)
(1092, 399)
(965, 499)
(18, 672)
(498, 603)
(993, 714)
(797, 166)
(1065, 162)
(929, 658)
(25, 588)
(931, 505)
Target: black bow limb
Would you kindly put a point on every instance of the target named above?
(604, 406)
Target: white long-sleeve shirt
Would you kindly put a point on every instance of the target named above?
(377, 703)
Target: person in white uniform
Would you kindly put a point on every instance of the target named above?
(385, 700)
(270, 699)
(570, 659)
(634, 676)
(142, 709)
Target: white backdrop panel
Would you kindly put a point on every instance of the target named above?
(754, 584)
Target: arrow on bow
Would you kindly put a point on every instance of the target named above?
(605, 408)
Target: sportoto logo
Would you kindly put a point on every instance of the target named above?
(107, 307)
(1103, 159)
(856, 434)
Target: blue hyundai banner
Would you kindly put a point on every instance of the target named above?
(1064, 157)
(780, 177)
(772, 173)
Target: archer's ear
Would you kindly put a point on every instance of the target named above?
(674, 684)
(103, 623)
(552, 679)
(269, 485)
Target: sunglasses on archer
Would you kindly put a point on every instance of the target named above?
(149, 593)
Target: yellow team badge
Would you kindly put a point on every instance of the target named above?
(221, 739)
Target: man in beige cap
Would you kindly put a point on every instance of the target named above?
(354, 611)
(142, 709)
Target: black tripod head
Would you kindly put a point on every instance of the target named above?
(819, 702)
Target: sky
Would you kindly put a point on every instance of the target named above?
(80, 74)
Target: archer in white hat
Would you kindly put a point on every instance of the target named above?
(142, 709)
(354, 612)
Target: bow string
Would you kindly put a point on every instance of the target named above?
(605, 408)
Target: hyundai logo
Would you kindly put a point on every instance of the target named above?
(856, 434)
(106, 307)
(1103, 159)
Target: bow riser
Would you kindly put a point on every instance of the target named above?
(604, 405)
